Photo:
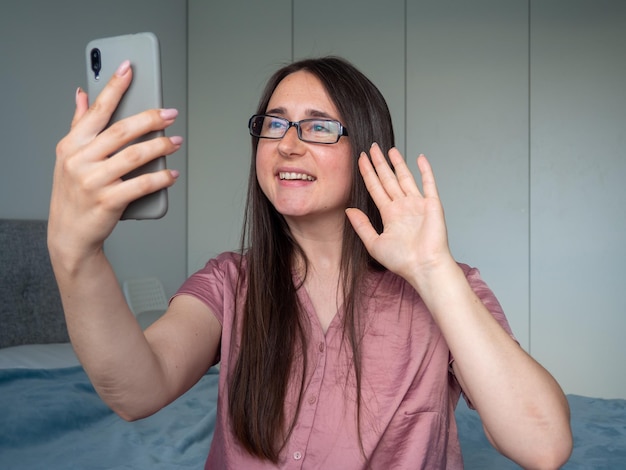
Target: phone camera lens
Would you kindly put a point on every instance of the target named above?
(96, 62)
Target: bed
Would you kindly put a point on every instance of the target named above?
(53, 419)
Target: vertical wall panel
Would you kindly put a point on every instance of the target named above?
(578, 131)
(369, 33)
(42, 52)
(233, 48)
(467, 110)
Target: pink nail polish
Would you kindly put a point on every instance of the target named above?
(176, 139)
(123, 68)
(168, 114)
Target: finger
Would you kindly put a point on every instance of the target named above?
(69, 144)
(385, 174)
(82, 104)
(138, 155)
(372, 181)
(428, 178)
(405, 177)
(117, 197)
(128, 130)
(362, 226)
(102, 108)
(145, 184)
(89, 121)
(116, 168)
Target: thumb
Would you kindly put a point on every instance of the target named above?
(362, 226)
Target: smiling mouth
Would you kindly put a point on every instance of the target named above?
(284, 175)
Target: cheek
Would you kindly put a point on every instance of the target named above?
(343, 174)
(261, 154)
(344, 167)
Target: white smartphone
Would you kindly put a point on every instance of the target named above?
(103, 56)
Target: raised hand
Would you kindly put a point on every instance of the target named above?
(88, 193)
(414, 239)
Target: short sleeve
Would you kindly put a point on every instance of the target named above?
(214, 284)
(487, 297)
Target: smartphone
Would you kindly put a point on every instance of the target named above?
(103, 56)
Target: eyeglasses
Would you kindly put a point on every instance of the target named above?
(317, 131)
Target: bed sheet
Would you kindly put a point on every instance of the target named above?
(53, 419)
(598, 426)
(38, 356)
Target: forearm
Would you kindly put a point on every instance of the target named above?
(523, 409)
(89, 195)
(106, 336)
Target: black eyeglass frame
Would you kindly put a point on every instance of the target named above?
(342, 130)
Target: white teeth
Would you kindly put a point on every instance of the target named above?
(284, 175)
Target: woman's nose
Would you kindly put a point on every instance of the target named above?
(290, 144)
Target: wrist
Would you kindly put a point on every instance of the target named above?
(68, 258)
(437, 276)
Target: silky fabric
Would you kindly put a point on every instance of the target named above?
(408, 391)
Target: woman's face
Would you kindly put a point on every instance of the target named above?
(306, 182)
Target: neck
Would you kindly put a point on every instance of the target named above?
(321, 244)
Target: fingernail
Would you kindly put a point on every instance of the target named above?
(123, 68)
(374, 144)
(169, 113)
(176, 139)
(78, 90)
(174, 173)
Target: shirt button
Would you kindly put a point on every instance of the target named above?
(297, 455)
(312, 399)
(321, 347)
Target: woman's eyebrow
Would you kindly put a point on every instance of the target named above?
(276, 111)
(318, 114)
(312, 113)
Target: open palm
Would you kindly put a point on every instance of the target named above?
(414, 236)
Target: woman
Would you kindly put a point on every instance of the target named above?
(345, 329)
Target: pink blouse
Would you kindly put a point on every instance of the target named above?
(408, 392)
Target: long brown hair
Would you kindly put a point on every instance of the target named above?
(273, 341)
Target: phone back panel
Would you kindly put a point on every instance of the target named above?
(145, 92)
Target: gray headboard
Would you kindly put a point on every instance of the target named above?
(30, 304)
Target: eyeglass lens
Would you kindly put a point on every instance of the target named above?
(311, 130)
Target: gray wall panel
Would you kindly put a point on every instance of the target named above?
(467, 110)
(578, 223)
(42, 54)
(233, 48)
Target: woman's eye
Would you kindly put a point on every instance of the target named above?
(276, 125)
(320, 127)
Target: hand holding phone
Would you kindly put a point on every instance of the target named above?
(103, 56)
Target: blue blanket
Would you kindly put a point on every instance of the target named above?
(53, 419)
(599, 428)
